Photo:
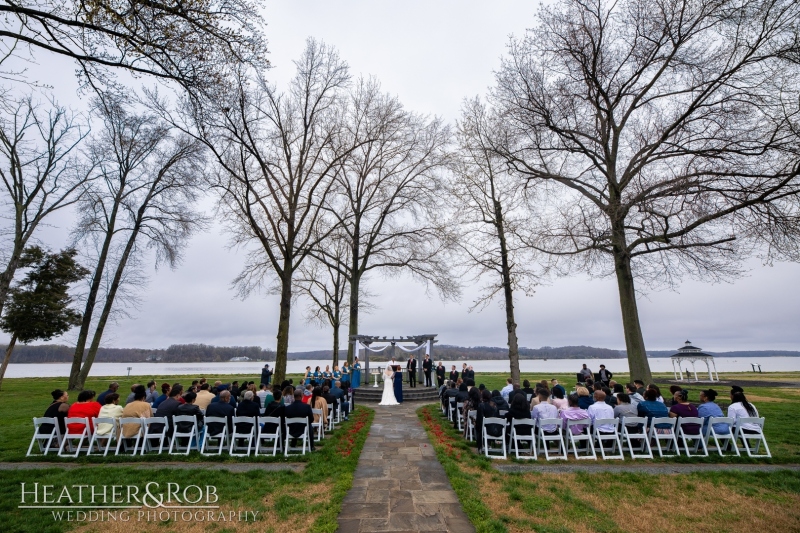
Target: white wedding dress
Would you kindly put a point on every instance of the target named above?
(388, 388)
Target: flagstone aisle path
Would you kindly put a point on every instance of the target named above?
(399, 485)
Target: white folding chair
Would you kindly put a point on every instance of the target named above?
(502, 437)
(757, 436)
(503, 413)
(151, 427)
(191, 435)
(319, 426)
(40, 436)
(265, 436)
(240, 432)
(602, 437)
(132, 443)
(471, 418)
(669, 437)
(557, 437)
(529, 396)
(221, 436)
(585, 437)
(451, 409)
(643, 450)
(516, 438)
(331, 418)
(339, 410)
(305, 437)
(108, 437)
(728, 437)
(80, 436)
(460, 421)
(698, 438)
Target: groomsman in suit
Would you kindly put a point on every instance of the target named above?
(411, 365)
(427, 368)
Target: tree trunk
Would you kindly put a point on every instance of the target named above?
(336, 344)
(282, 351)
(353, 315)
(91, 299)
(634, 341)
(11, 268)
(7, 358)
(508, 296)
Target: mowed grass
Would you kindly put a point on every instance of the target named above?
(284, 500)
(779, 406)
(607, 502)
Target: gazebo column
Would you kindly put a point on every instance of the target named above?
(715, 368)
(675, 374)
(708, 366)
(694, 369)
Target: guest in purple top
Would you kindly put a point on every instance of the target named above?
(682, 408)
(573, 412)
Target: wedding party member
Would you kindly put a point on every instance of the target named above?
(427, 368)
(337, 374)
(411, 365)
(266, 374)
(356, 381)
(454, 374)
(388, 397)
(327, 373)
(398, 385)
(307, 376)
(440, 374)
(345, 376)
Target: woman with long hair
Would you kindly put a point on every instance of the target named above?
(318, 402)
(741, 408)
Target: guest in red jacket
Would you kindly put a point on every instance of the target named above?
(84, 407)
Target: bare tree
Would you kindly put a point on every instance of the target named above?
(189, 42)
(659, 133)
(40, 173)
(276, 155)
(387, 196)
(491, 211)
(143, 198)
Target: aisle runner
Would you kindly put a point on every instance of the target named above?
(398, 484)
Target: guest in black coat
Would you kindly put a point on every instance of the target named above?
(297, 409)
(461, 397)
(499, 401)
(487, 409)
(221, 409)
(526, 388)
(189, 409)
(274, 409)
(266, 375)
(519, 410)
(247, 407)
(168, 408)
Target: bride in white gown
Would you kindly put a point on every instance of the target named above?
(388, 388)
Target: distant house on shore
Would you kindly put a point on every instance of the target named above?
(240, 359)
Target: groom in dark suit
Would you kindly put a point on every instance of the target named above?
(412, 371)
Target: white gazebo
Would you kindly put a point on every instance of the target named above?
(692, 354)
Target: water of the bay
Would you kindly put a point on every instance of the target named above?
(538, 366)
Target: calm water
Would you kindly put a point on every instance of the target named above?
(724, 364)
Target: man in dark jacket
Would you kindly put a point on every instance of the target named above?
(605, 375)
(450, 393)
(440, 373)
(247, 408)
(189, 409)
(221, 409)
(338, 393)
(168, 408)
(427, 368)
(275, 409)
(266, 375)
(499, 401)
(297, 409)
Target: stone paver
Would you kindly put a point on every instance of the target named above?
(398, 484)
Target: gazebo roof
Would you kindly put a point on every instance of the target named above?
(687, 350)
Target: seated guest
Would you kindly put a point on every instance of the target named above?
(138, 408)
(584, 399)
(165, 388)
(274, 409)
(101, 400)
(318, 402)
(640, 388)
(672, 390)
(574, 412)
(526, 388)
(617, 388)
(497, 398)
(264, 395)
(226, 387)
(204, 396)
(249, 408)
(610, 398)
(557, 399)
(220, 409)
(633, 394)
(472, 403)
(461, 397)
(682, 408)
(654, 387)
(514, 391)
(298, 409)
(709, 408)
(168, 408)
(740, 408)
(625, 409)
(601, 410)
(188, 408)
(545, 410)
(287, 394)
(129, 399)
(307, 393)
(449, 394)
(589, 386)
(519, 411)
(112, 409)
(652, 408)
(507, 389)
(337, 392)
(58, 410)
(84, 407)
(152, 393)
(554, 385)
(486, 409)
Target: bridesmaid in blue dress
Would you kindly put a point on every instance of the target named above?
(327, 373)
(337, 376)
(345, 376)
(398, 385)
(355, 381)
(307, 376)
(317, 375)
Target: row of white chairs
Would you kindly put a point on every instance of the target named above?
(638, 436)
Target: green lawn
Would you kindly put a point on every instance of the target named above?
(306, 501)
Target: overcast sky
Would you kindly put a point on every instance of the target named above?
(431, 55)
